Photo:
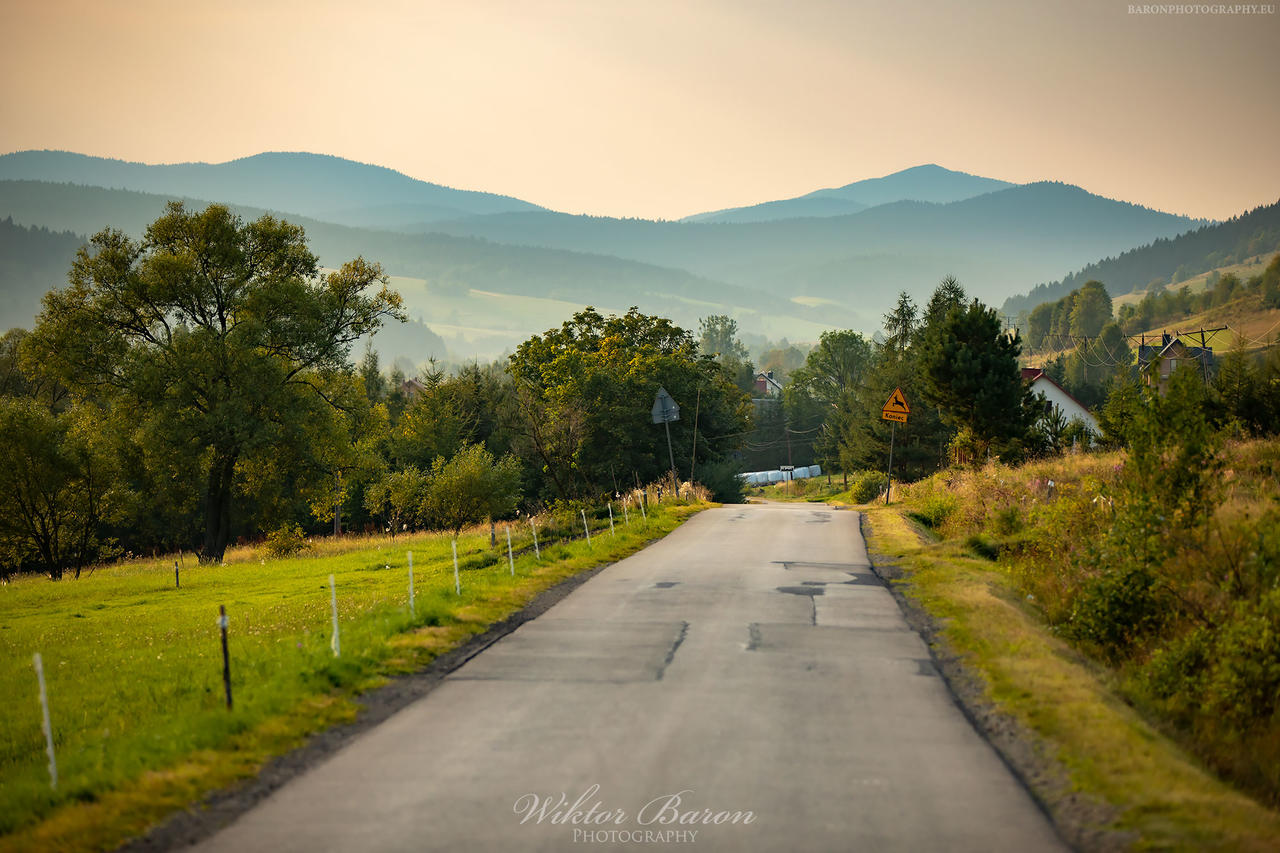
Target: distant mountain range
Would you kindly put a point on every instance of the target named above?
(920, 183)
(993, 243)
(315, 185)
(781, 276)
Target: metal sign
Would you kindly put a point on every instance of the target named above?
(665, 409)
(896, 408)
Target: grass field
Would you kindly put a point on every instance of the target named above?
(133, 664)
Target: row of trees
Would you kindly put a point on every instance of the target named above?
(958, 369)
(194, 387)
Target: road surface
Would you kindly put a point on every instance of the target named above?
(745, 684)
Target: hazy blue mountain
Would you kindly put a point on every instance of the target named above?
(315, 185)
(1168, 260)
(453, 266)
(919, 183)
(993, 242)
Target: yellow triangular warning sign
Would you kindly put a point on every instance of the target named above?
(897, 403)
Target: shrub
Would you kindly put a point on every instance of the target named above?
(981, 546)
(722, 479)
(1116, 609)
(1175, 673)
(935, 508)
(285, 541)
(867, 486)
(1244, 686)
(1007, 521)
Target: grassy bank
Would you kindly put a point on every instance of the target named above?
(1020, 568)
(133, 664)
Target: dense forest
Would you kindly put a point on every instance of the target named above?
(1168, 261)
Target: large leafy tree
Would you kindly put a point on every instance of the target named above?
(822, 395)
(718, 338)
(217, 332)
(1091, 310)
(584, 393)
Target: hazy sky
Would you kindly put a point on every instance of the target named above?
(661, 109)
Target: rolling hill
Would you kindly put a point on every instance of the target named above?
(1166, 259)
(994, 243)
(315, 185)
(921, 183)
(460, 276)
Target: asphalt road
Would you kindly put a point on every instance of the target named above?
(749, 668)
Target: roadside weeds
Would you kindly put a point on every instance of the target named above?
(1105, 777)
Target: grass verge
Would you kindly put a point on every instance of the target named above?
(1160, 798)
(134, 664)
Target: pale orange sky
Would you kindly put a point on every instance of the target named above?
(658, 108)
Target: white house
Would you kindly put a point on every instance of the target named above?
(1057, 396)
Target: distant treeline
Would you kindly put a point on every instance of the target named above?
(1162, 305)
(1168, 261)
(32, 260)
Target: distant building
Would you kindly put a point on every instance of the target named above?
(1158, 361)
(1058, 397)
(412, 387)
(767, 386)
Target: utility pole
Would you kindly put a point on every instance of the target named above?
(693, 456)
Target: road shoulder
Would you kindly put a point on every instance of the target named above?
(1108, 779)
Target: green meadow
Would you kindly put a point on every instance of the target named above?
(134, 668)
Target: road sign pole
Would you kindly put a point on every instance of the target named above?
(670, 454)
(893, 430)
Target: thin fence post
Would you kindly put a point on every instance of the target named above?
(510, 557)
(333, 602)
(226, 654)
(584, 526)
(611, 533)
(536, 552)
(457, 581)
(643, 514)
(177, 581)
(626, 516)
(48, 729)
(412, 610)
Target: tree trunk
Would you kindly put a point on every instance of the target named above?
(217, 521)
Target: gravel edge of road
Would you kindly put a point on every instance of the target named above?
(220, 808)
(1079, 820)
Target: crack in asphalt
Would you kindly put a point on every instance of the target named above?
(671, 653)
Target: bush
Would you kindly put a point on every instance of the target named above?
(981, 546)
(722, 479)
(935, 508)
(1117, 609)
(867, 487)
(1244, 686)
(285, 541)
(1007, 521)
